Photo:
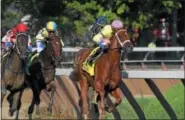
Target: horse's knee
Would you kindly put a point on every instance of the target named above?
(50, 86)
(113, 84)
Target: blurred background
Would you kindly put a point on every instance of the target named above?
(160, 21)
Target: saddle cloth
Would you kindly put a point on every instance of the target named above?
(31, 57)
(90, 68)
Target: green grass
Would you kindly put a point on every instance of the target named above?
(152, 107)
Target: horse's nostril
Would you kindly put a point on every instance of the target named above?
(129, 48)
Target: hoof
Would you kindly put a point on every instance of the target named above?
(10, 113)
(37, 117)
(49, 111)
(110, 109)
(102, 116)
(85, 117)
(30, 116)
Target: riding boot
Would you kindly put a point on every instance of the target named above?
(93, 57)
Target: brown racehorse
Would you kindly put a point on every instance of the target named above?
(107, 72)
(12, 71)
(42, 72)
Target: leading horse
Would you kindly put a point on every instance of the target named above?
(42, 72)
(107, 72)
(12, 71)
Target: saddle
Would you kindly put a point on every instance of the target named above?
(90, 62)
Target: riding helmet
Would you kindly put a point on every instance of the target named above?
(51, 26)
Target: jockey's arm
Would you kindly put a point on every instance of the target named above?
(105, 33)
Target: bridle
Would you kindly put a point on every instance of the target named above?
(53, 59)
(119, 41)
(16, 43)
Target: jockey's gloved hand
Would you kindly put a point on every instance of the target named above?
(8, 44)
(104, 46)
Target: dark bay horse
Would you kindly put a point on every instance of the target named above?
(12, 71)
(42, 72)
(107, 72)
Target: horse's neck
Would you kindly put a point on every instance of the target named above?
(114, 51)
(45, 58)
(114, 55)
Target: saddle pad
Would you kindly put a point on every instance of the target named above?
(90, 68)
(31, 57)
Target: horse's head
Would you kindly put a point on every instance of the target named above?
(121, 40)
(55, 47)
(21, 45)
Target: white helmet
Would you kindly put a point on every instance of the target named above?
(26, 19)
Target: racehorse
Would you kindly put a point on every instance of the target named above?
(42, 72)
(12, 71)
(107, 72)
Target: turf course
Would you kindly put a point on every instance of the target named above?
(152, 107)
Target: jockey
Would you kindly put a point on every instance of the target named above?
(96, 27)
(10, 38)
(102, 38)
(43, 35)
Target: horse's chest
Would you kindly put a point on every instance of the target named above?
(12, 79)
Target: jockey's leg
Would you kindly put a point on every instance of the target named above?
(40, 45)
(94, 56)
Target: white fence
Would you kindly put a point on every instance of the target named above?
(174, 73)
(137, 49)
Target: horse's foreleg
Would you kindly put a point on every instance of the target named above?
(101, 106)
(2, 98)
(100, 89)
(109, 106)
(117, 95)
(51, 102)
(15, 103)
(31, 107)
(17, 115)
(3, 91)
(84, 98)
(53, 89)
(37, 101)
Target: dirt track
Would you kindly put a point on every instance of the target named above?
(66, 97)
